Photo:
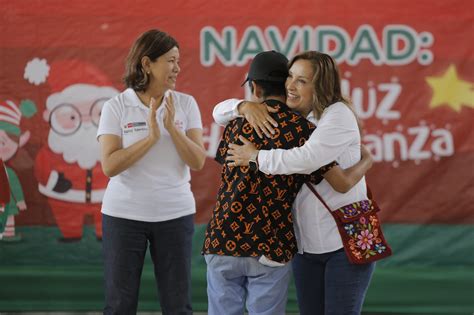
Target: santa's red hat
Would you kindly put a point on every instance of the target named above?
(69, 80)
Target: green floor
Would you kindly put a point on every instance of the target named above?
(40, 274)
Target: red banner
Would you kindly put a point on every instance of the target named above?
(407, 66)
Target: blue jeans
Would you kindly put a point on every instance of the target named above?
(329, 284)
(124, 246)
(233, 282)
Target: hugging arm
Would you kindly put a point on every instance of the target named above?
(342, 180)
(257, 114)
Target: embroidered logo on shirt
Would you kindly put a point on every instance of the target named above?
(134, 126)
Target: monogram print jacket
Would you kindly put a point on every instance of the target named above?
(252, 215)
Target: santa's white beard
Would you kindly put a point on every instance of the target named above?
(81, 147)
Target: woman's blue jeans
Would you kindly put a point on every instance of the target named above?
(328, 284)
(124, 246)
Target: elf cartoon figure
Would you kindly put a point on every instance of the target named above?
(4, 189)
(11, 139)
(68, 168)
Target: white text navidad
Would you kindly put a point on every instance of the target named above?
(399, 44)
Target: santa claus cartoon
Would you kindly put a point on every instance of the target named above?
(68, 168)
(11, 139)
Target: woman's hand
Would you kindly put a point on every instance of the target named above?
(257, 114)
(239, 155)
(366, 156)
(155, 133)
(168, 118)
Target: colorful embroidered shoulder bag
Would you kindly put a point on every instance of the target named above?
(360, 229)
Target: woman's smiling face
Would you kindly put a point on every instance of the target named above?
(165, 69)
(299, 87)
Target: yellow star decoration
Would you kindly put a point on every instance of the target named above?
(450, 90)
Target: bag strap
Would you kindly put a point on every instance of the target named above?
(311, 187)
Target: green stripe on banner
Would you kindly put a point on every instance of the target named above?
(430, 273)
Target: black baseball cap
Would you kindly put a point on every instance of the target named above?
(268, 66)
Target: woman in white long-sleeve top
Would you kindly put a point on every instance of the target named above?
(326, 282)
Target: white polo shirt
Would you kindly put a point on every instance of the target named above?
(156, 187)
(336, 138)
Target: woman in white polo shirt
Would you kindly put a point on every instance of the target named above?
(326, 282)
(150, 136)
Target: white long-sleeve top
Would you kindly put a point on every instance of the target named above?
(336, 138)
(226, 111)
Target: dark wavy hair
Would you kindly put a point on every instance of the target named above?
(152, 44)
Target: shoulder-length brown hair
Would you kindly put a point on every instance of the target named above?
(326, 80)
(152, 44)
